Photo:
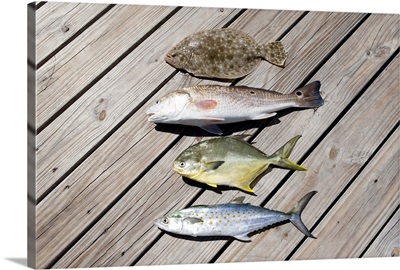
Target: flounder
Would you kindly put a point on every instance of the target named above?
(225, 53)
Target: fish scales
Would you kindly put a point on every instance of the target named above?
(206, 106)
(219, 218)
(230, 161)
(234, 219)
(223, 53)
(230, 99)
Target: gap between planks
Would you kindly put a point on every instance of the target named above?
(153, 127)
(125, 252)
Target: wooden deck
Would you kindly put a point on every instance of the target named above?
(103, 172)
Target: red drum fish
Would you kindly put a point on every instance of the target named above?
(205, 106)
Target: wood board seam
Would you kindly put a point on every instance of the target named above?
(74, 36)
(343, 191)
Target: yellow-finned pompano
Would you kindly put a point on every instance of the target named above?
(230, 161)
(206, 106)
(223, 53)
(234, 219)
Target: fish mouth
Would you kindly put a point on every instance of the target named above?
(180, 171)
(154, 117)
(168, 58)
(183, 173)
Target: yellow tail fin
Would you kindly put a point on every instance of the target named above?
(280, 157)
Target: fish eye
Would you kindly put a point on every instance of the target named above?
(157, 102)
(164, 220)
(299, 93)
(182, 164)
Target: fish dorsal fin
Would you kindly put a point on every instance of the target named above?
(213, 165)
(193, 220)
(238, 200)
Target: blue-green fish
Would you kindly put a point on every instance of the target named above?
(234, 219)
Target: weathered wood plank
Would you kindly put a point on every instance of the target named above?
(352, 63)
(31, 205)
(78, 64)
(319, 36)
(81, 254)
(31, 96)
(53, 234)
(361, 212)
(387, 244)
(31, 27)
(338, 158)
(57, 22)
(124, 238)
(99, 110)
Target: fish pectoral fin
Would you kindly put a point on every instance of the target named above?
(193, 220)
(246, 187)
(243, 237)
(263, 116)
(212, 185)
(213, 165)
(213, 129)
(238, 200)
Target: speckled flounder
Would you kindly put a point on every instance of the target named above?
(234, 219)
(231, 161)
(223, 53)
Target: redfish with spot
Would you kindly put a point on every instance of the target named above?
(205, 106)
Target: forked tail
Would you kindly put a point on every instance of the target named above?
(295, 214)
(280, 157)
(308, 96)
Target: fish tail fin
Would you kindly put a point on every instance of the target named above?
(275, 53)
(280, 157)
(309, 96)
(295, 214)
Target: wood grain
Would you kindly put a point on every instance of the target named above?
(55, 227)
(338, 158)
(68, 72)
(111, 169)
(387, 244)
(153, 140)
(56, 23)
(66, 140)
(363, 209)
(306, 122)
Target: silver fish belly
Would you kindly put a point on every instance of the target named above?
(234, 219)
(206, 106)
